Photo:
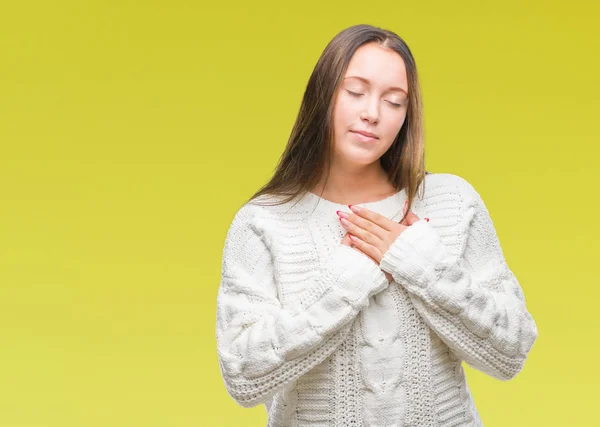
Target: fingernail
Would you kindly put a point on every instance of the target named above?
(342, 214)
(354, 208)
(427, 219)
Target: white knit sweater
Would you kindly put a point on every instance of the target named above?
(312, 329)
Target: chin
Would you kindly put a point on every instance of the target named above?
(359, 160)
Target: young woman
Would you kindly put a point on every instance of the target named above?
(346, 300)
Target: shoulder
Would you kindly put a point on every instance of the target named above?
(244, 244)
(254, 217)
(246, 219)
(453, 185)
(456, 200)
(466, 204)
(254, 232)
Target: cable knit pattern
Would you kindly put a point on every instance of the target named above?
(472, 300)
(312, 328)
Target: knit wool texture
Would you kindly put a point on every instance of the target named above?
(313, 330)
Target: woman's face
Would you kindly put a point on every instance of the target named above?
(372, 98)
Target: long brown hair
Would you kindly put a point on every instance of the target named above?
(307, 155)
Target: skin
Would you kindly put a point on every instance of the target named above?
(356, 174)
(377, 103)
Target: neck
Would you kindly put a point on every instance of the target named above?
(355, 184)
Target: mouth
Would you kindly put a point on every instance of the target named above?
(364, 136)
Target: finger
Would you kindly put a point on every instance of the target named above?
(366, 225)
(346, 240)
(378, 219)
(411, 218)
(366, 248)
(404, 222)
(364, 234)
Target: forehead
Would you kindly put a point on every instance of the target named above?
(380, 66)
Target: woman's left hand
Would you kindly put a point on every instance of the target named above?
(373, 233)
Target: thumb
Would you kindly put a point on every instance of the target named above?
(411, 218)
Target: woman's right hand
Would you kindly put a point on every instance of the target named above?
(348, 242)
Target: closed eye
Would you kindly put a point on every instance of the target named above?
(354, 93)
(393, 104)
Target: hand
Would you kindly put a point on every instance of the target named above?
(348, 242)
(372, 233)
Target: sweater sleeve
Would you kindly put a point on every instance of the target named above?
(263, 345)
(473, 302)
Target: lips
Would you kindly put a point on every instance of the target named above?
(367, 134)
(360, 136)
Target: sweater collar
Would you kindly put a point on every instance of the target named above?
(319, 207)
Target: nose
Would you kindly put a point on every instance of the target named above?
(370, 111)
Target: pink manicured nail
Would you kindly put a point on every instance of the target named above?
(427, 219)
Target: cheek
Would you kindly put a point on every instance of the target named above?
(344, 115)
(393, 126)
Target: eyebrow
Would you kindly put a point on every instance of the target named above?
(399, 89)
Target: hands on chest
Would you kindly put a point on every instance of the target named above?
(372, 233)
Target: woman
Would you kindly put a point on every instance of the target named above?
(335, 316)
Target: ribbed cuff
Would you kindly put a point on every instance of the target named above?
(357, 275)
(416, 257)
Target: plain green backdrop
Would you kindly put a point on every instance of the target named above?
(132, 131)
